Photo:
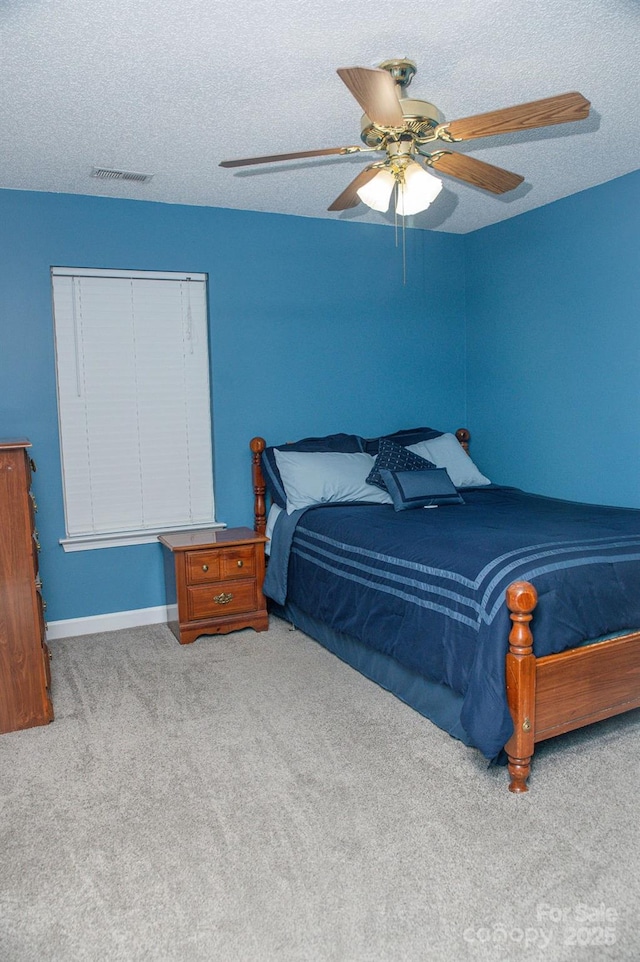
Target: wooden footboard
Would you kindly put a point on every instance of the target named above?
(558, 693)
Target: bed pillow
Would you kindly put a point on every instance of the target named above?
(447, 452)
(407, 437)
(345, 443)
(326, 477)
(420, 489)
(395, 457)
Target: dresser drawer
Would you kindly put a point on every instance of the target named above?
(222, 598)
(220, 564)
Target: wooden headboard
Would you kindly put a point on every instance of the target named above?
(258, 445)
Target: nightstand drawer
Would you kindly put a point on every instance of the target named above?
(238, 562)
(224, 597)
(221, 564)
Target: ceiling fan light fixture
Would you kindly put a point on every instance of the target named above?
(417, 190)
(377, 192)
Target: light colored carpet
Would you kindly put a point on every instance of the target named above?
(251, 798)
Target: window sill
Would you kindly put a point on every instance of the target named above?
(91, 541)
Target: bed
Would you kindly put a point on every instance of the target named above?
(504, 617)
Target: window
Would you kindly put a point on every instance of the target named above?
(134, 404)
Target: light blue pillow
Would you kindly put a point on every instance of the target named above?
(347, 443)
(447, 452)
(327, 477)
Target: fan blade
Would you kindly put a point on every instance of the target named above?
(375, 91)
(274, 158)
(562, 109)
(476, 172)
(349, 196)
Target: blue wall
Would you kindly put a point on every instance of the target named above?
(312, 331)
(553, 340)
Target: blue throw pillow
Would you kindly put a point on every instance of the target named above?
(420, 489)
(394, 457)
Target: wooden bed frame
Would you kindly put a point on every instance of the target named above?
(547, 696)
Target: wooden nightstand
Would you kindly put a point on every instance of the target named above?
(214, 577)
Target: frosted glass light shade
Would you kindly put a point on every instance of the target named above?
(420, 188)
(377, 192)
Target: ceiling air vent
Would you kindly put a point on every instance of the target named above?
(111, 173)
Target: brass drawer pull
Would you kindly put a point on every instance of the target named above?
(241, 564)
(205, 567)
(223, 599)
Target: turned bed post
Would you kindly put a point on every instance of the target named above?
(257, 446)
(463, 437)
(521, 683)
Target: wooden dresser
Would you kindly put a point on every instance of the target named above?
(24, 657)
(214, 581)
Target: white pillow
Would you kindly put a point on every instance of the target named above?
(324, 477)
(447, 452)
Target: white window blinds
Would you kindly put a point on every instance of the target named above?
(134, 404)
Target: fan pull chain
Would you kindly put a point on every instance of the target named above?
(404, 252)
(400, 188)
(397, 188)
(395, 207)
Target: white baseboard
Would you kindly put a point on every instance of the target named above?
(112, 621)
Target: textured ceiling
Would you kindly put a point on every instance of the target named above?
(173, 88)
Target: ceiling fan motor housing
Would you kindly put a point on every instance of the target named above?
(420, 116)
(420, 119)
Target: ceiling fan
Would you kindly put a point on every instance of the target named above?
(403, 130)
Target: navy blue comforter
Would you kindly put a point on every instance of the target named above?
(427, 586)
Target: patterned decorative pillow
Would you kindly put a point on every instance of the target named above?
(393, 457)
